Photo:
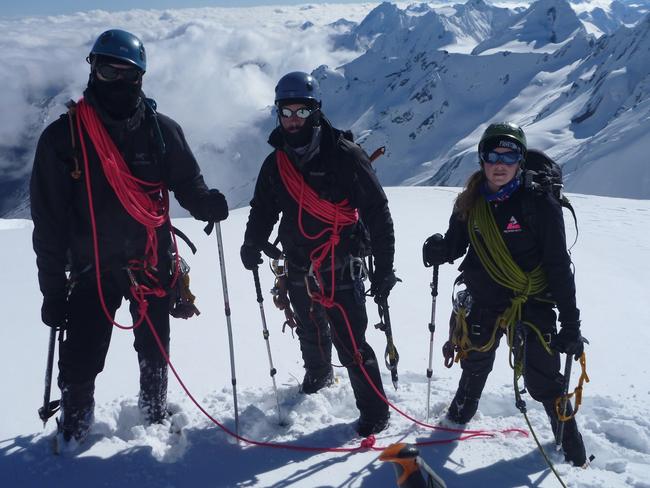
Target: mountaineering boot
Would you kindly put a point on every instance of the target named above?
(372, 424)
(316, 380)
(77, 411)
(465, 402)
(572, 443)
(152, 399)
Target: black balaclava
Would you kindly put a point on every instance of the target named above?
(119, 98)
(302, 137)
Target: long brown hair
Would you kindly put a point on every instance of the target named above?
(466, 200)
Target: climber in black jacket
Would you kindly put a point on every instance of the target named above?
(157, 155)
(337, 171)
(513, 264)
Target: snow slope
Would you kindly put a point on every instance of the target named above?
(612, 259)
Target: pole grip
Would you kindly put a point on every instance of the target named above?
(258, 286)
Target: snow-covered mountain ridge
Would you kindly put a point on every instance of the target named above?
(415, 91)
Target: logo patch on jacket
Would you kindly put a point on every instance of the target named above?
(141, 159)
(513, 226)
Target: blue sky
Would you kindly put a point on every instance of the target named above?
(48, 7)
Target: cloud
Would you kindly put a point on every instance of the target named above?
(213, 70)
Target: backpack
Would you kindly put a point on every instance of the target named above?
(541, 174)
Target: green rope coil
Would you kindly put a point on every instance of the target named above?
(495, 257)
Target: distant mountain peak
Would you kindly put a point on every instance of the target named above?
(544, 22)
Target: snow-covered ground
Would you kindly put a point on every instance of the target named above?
(612, 259)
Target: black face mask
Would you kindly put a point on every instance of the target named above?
(300, 138)
(119, 98)
(303, 136)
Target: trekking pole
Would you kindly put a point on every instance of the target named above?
(432, 329)
(563, 407)
(265, 334)
(226, 303)
(49, 408)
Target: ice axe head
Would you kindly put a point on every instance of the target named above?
(404, 458)
(45, 413)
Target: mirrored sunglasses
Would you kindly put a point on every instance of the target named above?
(111, 73)
(507, 158)
(301, 113)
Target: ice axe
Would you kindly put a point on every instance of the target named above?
(410, 469)
(391, 356)
(562, 411)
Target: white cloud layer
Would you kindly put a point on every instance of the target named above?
(211, 69)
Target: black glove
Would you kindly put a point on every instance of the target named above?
(212, 207)
(434, 251)
(382, 284)
(569, 340)
(251, 256)
(54, 311)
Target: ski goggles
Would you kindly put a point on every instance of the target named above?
(508, 158)
(111, 73)
(301, 113)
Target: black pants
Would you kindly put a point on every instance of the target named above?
(541, 373)
(318, 328)
(88, 333)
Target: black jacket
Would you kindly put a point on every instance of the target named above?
(340, 170)
(59, 203)
(545, 244)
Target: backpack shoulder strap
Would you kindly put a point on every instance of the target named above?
(564, 201)
(529, 211)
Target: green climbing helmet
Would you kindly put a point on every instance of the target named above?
(505, 131)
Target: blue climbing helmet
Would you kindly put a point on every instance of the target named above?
(122, 45)
(298, 86)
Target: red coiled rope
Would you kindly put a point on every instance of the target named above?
(335, 215)
(147, 207)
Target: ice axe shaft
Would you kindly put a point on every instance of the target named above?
(563, 407)
(49, 408)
